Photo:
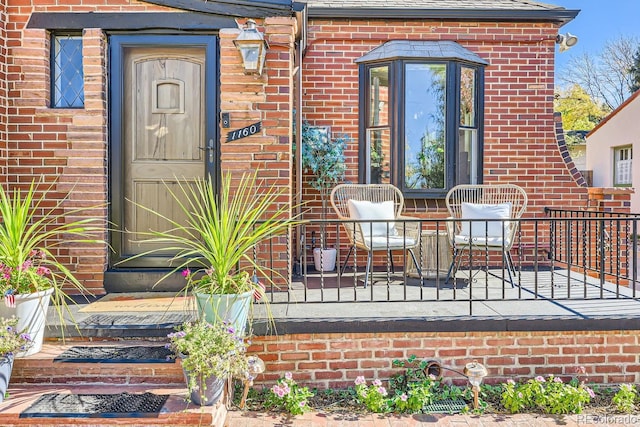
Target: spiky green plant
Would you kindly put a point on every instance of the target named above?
(29, 236)
(219, 232)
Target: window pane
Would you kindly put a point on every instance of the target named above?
(424, 130)
(467, 97)
(379, 153)
(467, 158)
(623, 166)
(379, 94)
(68, 78)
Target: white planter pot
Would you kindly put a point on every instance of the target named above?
(232, 308)
(31, 311)
(324, 259)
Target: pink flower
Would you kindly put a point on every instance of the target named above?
(302, 404)
(285, 388)
(288, 376)
(43, 271)
(377, 382)
(581, 370)
(186, 272)
(404, 397)
(510, 381)
(540, 378)
(382, 391)
(360, 380)
(278, 391)
(557, 379)
(591, 393)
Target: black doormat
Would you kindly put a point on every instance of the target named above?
(122, 405)
(114, 354)
(139, 321)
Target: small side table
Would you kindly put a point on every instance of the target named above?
(436, 256)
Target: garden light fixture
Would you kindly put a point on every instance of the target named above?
(256, 366)
(253, 48)
(475, 372)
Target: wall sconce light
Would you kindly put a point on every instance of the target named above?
(566, 41)
(253, 48)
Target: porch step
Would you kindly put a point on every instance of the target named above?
(39, 374)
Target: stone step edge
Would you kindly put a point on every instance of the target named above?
(176, 411)
(40, 368)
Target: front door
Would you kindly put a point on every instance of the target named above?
(162, 103)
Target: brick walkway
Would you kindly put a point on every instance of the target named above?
(253, 419)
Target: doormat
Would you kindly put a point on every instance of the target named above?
(139, 321)
(112, 354)
(139, 302)
(122, 405)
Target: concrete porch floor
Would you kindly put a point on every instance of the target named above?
(544, 300)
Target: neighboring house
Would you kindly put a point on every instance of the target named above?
(117, 98)
(610, 147)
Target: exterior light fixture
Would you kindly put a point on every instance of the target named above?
(566, 41)
(475, 372)
(256, 366)
(253, 48)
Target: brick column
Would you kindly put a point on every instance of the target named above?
(268, 99)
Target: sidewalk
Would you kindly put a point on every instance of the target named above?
(314, 419)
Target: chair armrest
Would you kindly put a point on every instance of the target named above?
(409, 229)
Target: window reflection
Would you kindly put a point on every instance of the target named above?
(424, 150)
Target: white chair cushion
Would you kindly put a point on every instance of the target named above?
(497, 242)
(364, 209)
(389, 243)
(480, 229)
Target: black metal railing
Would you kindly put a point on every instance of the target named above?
(564, 256)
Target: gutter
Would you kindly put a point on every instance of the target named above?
(561, 16)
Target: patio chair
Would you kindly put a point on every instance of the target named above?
(357, 202)
(491, 205)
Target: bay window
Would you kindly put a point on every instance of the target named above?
(421, 117)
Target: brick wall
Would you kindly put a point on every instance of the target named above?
(335, 360)
(519, 131)
(3, 93)
(267, 98)
(70, 146)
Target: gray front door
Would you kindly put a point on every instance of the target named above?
(162, 131)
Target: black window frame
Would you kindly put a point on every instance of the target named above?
(397, 86)
(52, 68)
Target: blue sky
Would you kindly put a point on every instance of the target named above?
(599, 21)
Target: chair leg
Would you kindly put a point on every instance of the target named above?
(346, 260)
(455, 263)
(393, 268)
(369, 262)
(415, 261)
(451, 266)
(508, 262)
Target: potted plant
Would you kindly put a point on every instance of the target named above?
(214, 246)
(11, 341)
(323, 158)
(210, 355)
(30, 274)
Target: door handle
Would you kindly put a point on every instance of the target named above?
(209, 147)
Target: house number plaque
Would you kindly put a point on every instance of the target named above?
(244, 132)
